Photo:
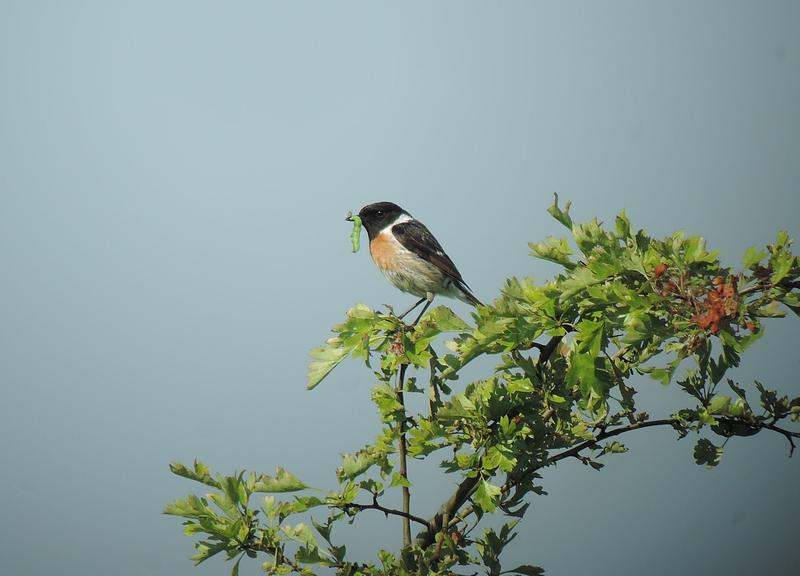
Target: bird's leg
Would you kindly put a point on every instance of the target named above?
(429, 298)
(404, 314)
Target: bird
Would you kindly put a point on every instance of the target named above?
(410, 257)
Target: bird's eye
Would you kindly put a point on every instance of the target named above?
(378, 212)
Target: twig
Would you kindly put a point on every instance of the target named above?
(438, 551)
(788, 434)
(403, 454)
(434, 399)
(386, 511)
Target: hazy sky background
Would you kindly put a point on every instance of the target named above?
(173, 182)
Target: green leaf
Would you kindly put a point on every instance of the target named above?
(717, 369)
(706, 453)
(206, 550)
(694, 248)
(234, 489)
(303, 503)
(553, 249)
(582, 372)
(199, 473)
(323, 360)
(359, 334)
(740, 392)
(444, 320)
(309, 555)
(637, 325)
(459, 407)
(622, 225)
(354, 465)
(387, 559)
(719, 404)
(590, 337)
(580, 279)
(385, 398)
(398, 480)
(526, 570)
(494, 458)
(301, 533)
(323, 529)
(592, 241)
(792, 301)
(235, 569)
(486, 496)
(284, 481)
(781, 263)
(614, 448)
(752, 257)
(771, 310)
(559, 214)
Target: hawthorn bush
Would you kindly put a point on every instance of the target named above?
(568, 356)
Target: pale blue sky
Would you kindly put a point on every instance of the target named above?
(173, 182)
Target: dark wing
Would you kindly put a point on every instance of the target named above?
(414, 236)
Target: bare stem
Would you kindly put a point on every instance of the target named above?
(787, 433)
(434, 399)
(386, 511)
(403, 453)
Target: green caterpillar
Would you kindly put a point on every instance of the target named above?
(355, 237)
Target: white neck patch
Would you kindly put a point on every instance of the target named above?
(400, 219)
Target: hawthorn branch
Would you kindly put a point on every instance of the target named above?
(387, 511)
(578, 448)
(575, 451)
(788, 434)
(403, 455)
(572, 452)
(434, 398)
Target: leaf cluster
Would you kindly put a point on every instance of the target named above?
(623, 308)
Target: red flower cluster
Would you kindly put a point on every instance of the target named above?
(720, 303)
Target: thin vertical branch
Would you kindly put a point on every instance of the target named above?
(434, 398)
(402, 450)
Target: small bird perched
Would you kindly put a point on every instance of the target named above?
(410, 257)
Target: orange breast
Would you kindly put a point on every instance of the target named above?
(383, 249)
